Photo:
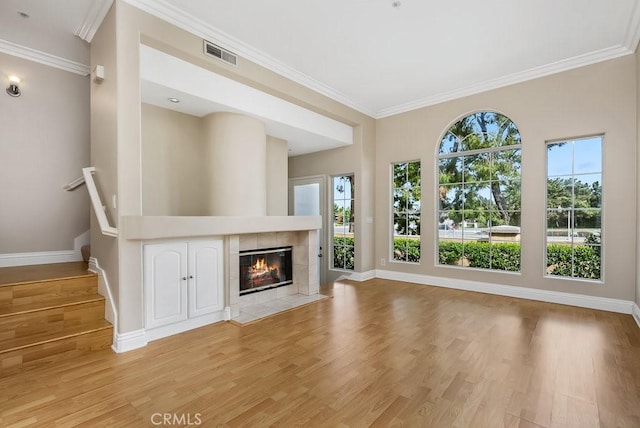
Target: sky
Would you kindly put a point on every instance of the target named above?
(587, 159)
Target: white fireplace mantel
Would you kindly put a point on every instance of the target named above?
(159, 227)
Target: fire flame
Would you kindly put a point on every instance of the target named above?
(261, 267)
(260, 264)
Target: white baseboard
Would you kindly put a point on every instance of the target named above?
(359, 276)
(636, 313)
(583, 301)
(45, 257)
(123, 342)
(38, 258)
(180, 327)
(104, 289)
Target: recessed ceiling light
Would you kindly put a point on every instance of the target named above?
(174, 100)
(23, 14)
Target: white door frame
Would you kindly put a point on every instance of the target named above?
(324, 252)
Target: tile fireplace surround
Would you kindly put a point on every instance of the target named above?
(305, 266)
(242, 233)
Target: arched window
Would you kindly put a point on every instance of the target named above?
(479, 165)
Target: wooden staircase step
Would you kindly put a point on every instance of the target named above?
(7, 346)
(21, 307)
(54, 318)
(48, 312)
(77, 340)
(23, 274)
(31, 292)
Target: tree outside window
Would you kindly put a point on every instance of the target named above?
(574, 208)
(479, 168)
(406, 211)
(343, 225)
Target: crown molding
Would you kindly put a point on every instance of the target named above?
(88, 27)
(523, 76)
(633, 29)
(43, 58)
(196, 26)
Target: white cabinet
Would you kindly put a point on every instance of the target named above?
(183, 282)
(205, 279)
(165, 285)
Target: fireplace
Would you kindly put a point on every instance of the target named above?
(265, 268)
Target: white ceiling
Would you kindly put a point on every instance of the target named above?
(367, 54)
(383, 60)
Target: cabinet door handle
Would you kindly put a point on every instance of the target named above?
(184, 278)
(190, 276)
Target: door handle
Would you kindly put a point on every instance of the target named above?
(190, 276)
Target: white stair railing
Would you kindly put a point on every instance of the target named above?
(73, 184)
(96, 202)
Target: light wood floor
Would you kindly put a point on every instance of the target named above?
(380, 353)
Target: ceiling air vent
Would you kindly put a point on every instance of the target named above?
(220, 53)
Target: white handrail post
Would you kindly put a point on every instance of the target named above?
(97, 203)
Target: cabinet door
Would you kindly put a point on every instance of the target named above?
(205, 277)
(165, 283)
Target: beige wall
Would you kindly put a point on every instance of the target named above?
(357, 159)
(236, 153)
(173, 179)
(174, 166)
(104, 140)
(600, 98)
(44, 144)
(277, 176)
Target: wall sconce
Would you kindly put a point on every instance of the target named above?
(13, 89)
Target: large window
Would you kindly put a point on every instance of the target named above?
(574, 208)
(343, 222)
(406, 212)
(479, 166)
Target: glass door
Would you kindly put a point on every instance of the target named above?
(307, 197)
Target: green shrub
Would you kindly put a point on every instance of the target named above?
(483, 255)
(594, 240)
(586, 261)
(343, 252)
(478, 254)
(449, 252)
(559, 260)
(406, 249)
(506, 256)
